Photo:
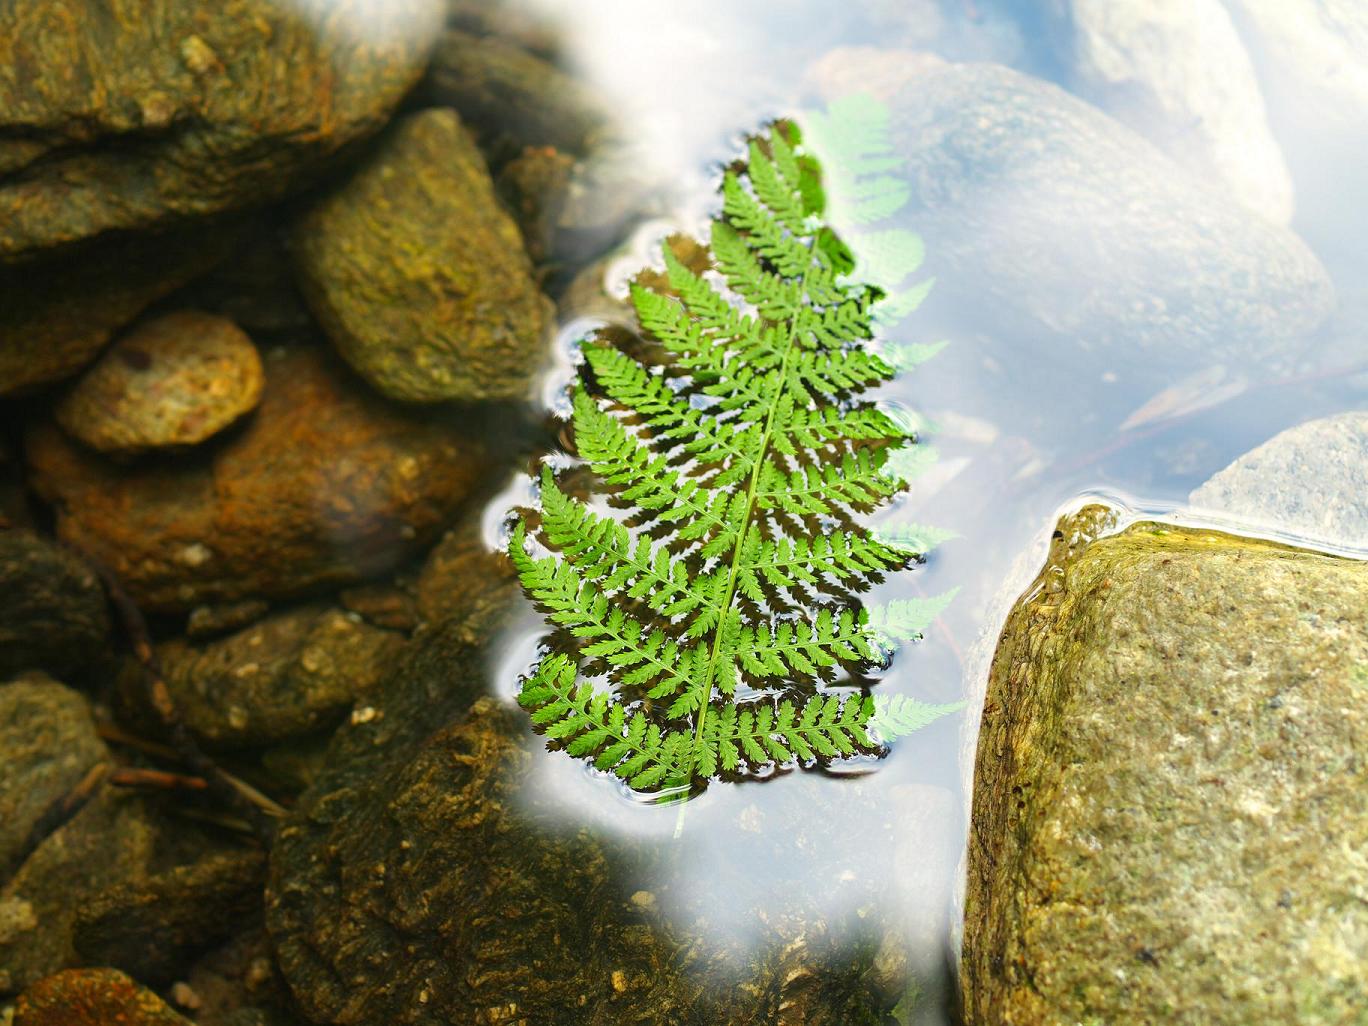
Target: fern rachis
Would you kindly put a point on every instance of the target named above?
(736, 442)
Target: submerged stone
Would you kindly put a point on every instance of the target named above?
(1310, 480)
(134, 114)
(326, 484)
(172, 381)
(93, 997)
(432, 876)
(1169, 800)
(1044, 215)
(419, 276)
(53, 614)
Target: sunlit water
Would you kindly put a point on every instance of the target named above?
(1024, 428)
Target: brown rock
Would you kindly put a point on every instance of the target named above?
(174, 380)
(533, 185)
(293, 673)
(419, 276)
(92, 997)
(56, 315)
(326, 485)
(464, 580)
(52, 608)
(133, 113)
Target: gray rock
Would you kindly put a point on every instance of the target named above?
(1169, 815)
(1178, 73)
(49, 743)
(132, 115)
(1041, 213)
(419, 276)
(53, 615)
(172, 381)
(288, 675)
(1310, 481)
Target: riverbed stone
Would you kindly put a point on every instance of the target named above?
(291, 674)
(1041, 214)
(1310, 481)
(174, 380)
(1178, 73)
(326, 484)
(57, 314)
(93, 997)
(402, 888)
(49, 742)
(136, 114)
(419, 276)
(1169, 819)
(53, 614)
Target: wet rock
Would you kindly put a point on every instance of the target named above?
(404, 888)
(1048, 216)
(419, 276)
(172, 381)
(509, 96)
(388, 605)
(92, 997)
(139, 114)
(1168, 803)
(1311, 481)
(124, 884)
(56, 315)
(326, 484)
(288, 675)
(533, 185)
(205, 622)
(254, 285)
(50, 744)
(466, 581)
(238, 985)
(1178, 73)
(52, 608)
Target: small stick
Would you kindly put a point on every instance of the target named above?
(157, 780)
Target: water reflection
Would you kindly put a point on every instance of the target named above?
(1029, 419)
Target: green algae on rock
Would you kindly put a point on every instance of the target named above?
(135, 113)
(417, 273)
(1169, 808)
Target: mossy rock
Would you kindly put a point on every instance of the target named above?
(1169, 806)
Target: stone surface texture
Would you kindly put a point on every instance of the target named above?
(1041, 214)
(418, 274)
(93, 997)
(1178, 73)
(174, 380)
(136, 113)
(290, 674)
(1170, 821)
(1310, 481)
(57, 314)
(49, 743)
(53, 614)
(325, 485)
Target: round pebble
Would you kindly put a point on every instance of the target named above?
(171, 381)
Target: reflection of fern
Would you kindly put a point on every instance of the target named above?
(736, 442)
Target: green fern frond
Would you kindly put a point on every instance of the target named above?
(737, 453)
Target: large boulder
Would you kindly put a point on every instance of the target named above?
(1178, 73)
(1310, 481)
(418, 274)
(325, 485)
(53, 615)
(1169, 819)
(1042, 215)
(435, 874)
(132, 114)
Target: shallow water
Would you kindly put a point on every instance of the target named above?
(1024, 431)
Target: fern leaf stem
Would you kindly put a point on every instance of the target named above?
(752, 488)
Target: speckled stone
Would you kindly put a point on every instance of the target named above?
(1170, 822)
(129, 114)
(419, 276)
(92, 997)
(326, 484)
(172, 381)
